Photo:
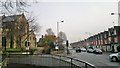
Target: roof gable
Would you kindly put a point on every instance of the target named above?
(11, 18)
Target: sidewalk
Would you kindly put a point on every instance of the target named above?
(65, 54)
(109, 53)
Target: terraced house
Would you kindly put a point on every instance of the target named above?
(108, 40)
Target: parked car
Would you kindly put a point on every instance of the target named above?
(97, 51)
(78, 49)
(90, 50)
(83, 49)
(114, 57)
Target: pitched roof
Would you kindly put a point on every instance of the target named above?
(11, 18)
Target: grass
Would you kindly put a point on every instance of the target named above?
(14, 50)
(17, 50)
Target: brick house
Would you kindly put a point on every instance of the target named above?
(107, 40)
(106, 44)
(115, 38)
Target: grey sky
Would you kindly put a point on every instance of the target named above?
(79, 17)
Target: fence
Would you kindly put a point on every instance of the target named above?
(52, 61)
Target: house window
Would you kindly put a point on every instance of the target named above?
(109, 39)
(101, 41)
(109, 33)
(30, 38)
(115, 39)
(115, 32)
(105, 36)
(105, 41)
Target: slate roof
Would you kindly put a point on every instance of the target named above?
(10, 18)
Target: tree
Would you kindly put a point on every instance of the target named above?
(48, 43)
(62, 36)
(13, 6)
(49, 31)
(33, 25)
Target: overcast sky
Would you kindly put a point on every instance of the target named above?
(79, 16)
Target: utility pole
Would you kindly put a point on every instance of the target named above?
(67, 44)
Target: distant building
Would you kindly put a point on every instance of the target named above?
(107, 40)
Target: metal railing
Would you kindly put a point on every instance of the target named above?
(52, 61)
(76, 63)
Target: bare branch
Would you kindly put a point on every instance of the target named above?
(33, 25)
(11, 7)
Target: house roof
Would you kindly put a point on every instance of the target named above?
(11, 18)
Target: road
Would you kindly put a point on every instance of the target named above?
(99, 60)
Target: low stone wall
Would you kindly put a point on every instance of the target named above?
(39, 60)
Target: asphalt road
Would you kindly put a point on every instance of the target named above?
(99, 60)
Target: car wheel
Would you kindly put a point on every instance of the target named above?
(114, 59)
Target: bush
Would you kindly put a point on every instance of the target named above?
(32, 51)
(118, 48)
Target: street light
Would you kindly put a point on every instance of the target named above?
(58, 26)
(118, 18)
(58, 31)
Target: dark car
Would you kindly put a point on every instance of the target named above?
(78, 49)
(90, 50)
(97, 51)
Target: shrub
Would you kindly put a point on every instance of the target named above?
(118, 48)
(32, 51)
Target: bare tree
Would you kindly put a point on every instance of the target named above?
(62, 36)
(49, 31)
(13, 6)
(33, 25)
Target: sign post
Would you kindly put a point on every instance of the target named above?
(67, 44)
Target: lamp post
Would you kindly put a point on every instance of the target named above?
(58, 26)
(118, 18)
(58, 31)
